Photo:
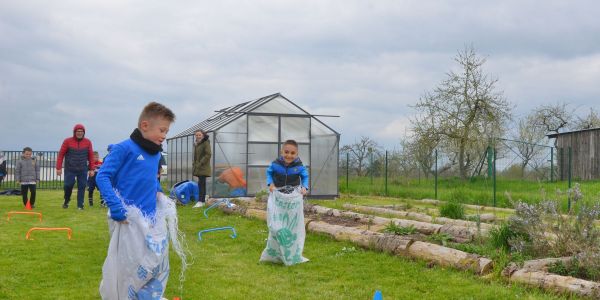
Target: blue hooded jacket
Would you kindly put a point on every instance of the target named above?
(128, 176)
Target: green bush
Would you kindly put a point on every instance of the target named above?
(399, 230)
(500, 237)
(452, 210)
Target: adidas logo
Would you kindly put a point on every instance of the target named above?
(140, 157)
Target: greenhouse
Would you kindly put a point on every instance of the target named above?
(245, 138)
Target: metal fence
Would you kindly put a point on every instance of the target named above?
(47, 163)
(502, 172)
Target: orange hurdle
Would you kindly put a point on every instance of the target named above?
(23, 213)
(67, 229)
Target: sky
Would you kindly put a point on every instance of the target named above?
(99, 62)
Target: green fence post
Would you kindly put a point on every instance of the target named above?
(551, 164)
(436, 175)
(347, 171)
(372, 169)
(494, 177)
(570, 176)
(386, 172)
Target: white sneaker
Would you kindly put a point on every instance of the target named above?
(198, 204)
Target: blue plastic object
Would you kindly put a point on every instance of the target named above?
(233, 236)
(183, 191)
(226, 201)
(377, 295)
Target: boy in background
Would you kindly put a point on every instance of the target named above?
(27, 172)
(129, 186)
(92, 180)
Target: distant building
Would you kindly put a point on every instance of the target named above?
(585, 153)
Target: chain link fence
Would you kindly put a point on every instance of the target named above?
(503, 172)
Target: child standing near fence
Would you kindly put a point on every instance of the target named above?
(27, 172)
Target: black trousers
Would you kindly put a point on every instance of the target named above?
(202, 186)
(24, 189)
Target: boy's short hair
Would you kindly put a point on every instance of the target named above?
(291, 142)
(27, 149)
(155, 110)
(96, 153)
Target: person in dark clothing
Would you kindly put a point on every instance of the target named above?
(78, 155)
(2, 167)
(201, 165)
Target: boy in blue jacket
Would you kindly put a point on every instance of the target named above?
(287, 169)
(128, 174)
(127, 179)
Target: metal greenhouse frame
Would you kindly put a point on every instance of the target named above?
(245, 138)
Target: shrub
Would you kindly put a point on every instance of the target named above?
(399, 230)
(440, 238)
(499, 237)
(452, 210)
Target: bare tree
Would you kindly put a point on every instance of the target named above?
(553, 117)
(464, 110)
(360, 152)
(529, 136)
(588, 122)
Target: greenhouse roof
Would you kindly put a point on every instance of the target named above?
(281, 106)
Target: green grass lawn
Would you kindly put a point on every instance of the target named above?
(474, 191)
(52, 267)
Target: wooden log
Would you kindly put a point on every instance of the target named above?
(471, 206)
(544, 263)
(422, 227)
(470, 224)
(421, 217)
(558, 283)
(460, 234)
(487, 218)
(391, 212)
(450, 257)
(364, 238)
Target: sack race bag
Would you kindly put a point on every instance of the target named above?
(285, 220)
(137, 263)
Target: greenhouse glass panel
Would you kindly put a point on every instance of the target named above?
(257, 179)
(295, 128)
(279, 105)
(324, 150)
(263, 129)
(261, 154)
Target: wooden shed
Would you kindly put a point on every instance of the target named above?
(584, 157)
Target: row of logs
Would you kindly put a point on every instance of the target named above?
(395, 244)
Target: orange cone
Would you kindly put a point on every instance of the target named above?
(28, 205)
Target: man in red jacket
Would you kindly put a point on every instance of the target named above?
(79, 163)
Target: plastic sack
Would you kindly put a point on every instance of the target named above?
(285, 219)
(137, 263)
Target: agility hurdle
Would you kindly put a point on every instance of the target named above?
(10, 213)
(67, 229)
